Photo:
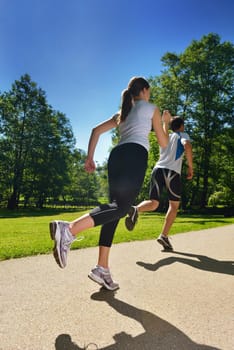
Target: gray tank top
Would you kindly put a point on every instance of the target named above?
(137, 126)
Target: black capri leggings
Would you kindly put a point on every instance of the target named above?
(126, 170)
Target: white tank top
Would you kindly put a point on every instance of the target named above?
(171, 157)
(137, 126)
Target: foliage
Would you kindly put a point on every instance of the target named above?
(39, 164)
(37, 157)
(198, 85)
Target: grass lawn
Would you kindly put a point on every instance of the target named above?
(26, 233)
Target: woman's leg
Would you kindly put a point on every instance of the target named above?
(126, 170)
(126, 167)
(101, 272)
(83, 223)
(125, 180)
(103, 256)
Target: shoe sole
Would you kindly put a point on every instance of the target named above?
(95, 278)
(165, 246)
(56, 237)
(129, 224)
(100, 281)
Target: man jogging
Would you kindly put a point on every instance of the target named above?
(167, 174)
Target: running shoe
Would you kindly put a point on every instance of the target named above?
(62, 237)
(164, 241)
(131, 219)
(103, 277)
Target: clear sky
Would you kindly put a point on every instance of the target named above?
(82, 53)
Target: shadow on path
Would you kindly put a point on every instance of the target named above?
(202, 263)
(158, 334)
(64, 342)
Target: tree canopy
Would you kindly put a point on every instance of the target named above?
(198, 85)
(37, 148)
(39, 161)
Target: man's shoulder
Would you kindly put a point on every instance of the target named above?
(184, 135)
(174, 135)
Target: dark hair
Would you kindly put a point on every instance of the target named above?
(176, 123)
(135, 86)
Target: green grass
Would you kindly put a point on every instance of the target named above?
(25, 233)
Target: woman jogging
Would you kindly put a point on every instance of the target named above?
(126, 170)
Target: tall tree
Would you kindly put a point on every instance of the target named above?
(36, 141)
(198, 84)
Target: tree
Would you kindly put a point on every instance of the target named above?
(83, 187)
(198, 84)
(36, 142)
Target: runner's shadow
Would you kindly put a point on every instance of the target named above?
(64, 342)
(158, 333)
(202, 262)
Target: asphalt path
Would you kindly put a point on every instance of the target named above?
(182, 300)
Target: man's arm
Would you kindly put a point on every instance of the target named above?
(189, 157)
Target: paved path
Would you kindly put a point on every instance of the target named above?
(182, 300)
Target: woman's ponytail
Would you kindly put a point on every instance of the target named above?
(135, 86)
(126, 104)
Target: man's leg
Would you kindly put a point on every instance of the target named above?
(157, 182)
(169, 220)
(170, 216)
(147, 205)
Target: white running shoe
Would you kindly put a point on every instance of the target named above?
(103, 277)
(59, 232)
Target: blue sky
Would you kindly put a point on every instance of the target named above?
(82, 53)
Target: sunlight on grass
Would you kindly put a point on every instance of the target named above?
(28, 234)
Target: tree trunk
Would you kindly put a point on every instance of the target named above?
(12, 201)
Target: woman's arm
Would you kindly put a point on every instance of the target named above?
(161, 130)
(93, 140)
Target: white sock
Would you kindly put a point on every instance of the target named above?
(103, 268)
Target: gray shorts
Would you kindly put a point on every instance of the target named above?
(165, 178)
